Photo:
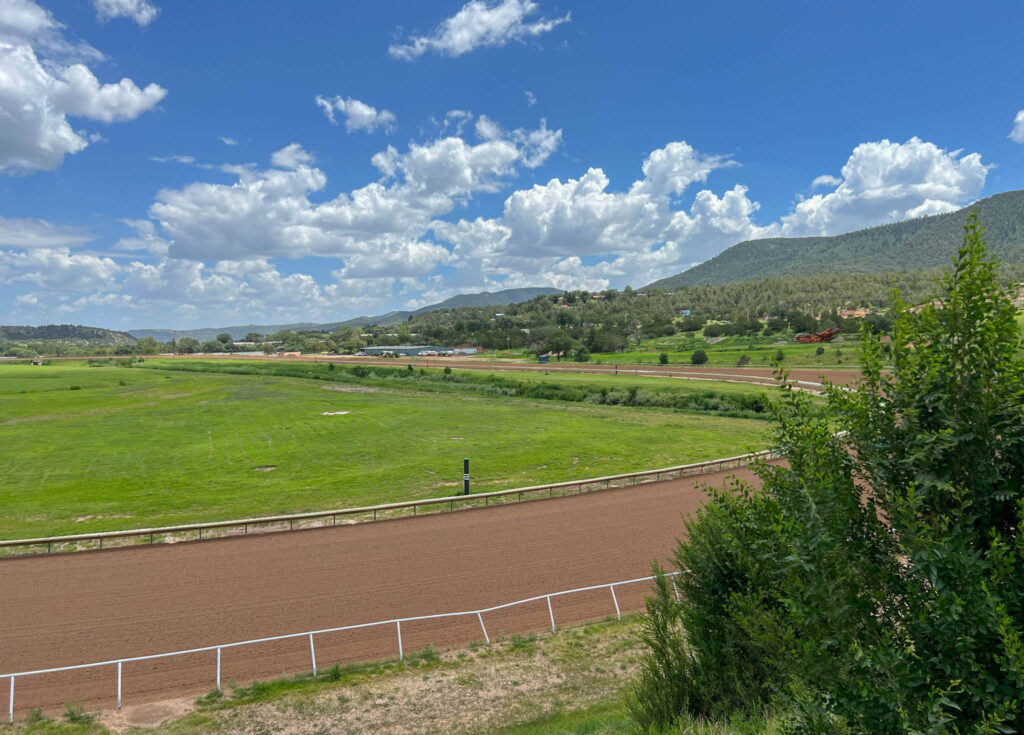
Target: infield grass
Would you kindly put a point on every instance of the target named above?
(105, 448)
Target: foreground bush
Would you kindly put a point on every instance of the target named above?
(894, 610)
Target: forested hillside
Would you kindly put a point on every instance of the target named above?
(69, 334)
(927, 242)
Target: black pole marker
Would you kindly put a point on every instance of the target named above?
(465, 476)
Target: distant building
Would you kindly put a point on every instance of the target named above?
(406, 351)
(684, 312)
(282, 353)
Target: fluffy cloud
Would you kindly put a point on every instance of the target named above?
(394, 240)
(39, 92)
(580, 217)
(57, 270)
(36, 233)
(1017, 134)
(378, 226)
(358, 115)
(885, 182)
(140, 11)
(477, 24)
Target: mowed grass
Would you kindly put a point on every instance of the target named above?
(132, 448)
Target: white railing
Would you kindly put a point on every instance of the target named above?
(372, 511)
(397, 622)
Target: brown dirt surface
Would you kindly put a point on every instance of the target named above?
(70, 609)
(839, 376)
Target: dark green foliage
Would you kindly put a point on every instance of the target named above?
(66, 334)
(918, 243)
(779, 356)
(699, 357)
(663, 358)
(896, 611)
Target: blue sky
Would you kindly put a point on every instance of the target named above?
(200, 164)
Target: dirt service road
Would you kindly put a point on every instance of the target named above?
(93, 606)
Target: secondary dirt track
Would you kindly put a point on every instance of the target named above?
(760, 376)
(92, 606)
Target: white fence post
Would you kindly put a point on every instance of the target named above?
(551, 613)
(10, 711)
(398, 627)
(618, 613)
(312, 653)
(676, 589)
(480, 617)
(218, 669)
(119, 685)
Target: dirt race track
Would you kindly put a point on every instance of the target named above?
(92, 606)
(761, 376)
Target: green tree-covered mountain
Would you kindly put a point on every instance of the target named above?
(68, 334)
(927, 242)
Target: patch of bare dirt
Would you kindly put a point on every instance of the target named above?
(175, 395)
(351, 388)
(265, 468)
(146, 715)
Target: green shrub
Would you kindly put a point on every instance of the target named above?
(802, 595)
(663, 358)
(699, 357)
(74, 714)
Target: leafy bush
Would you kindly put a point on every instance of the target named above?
(899, 611)
(699, 357)
(74, 714)
(663, 358)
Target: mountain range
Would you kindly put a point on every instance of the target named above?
(926, 242)
(484, 298)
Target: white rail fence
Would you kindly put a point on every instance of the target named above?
(397, 622)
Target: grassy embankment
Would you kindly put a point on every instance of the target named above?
(570, 682)
(104, 448)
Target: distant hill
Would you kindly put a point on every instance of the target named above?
(69, 334)
(927, 242)
(485, 298)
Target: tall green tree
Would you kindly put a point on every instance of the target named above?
(875, 582)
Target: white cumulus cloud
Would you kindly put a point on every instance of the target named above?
(884, 182)
(1017, 134)
(43, 82)
(476, 24)
(140, 11)
(358, 115)
(381, 225)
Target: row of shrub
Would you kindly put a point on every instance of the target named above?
(754, 405)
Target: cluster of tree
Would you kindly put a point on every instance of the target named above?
(874, 584)
(611, 321)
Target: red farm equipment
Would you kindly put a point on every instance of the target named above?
(826, 336)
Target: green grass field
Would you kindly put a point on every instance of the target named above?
(104, 448)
